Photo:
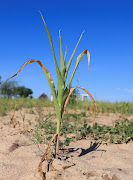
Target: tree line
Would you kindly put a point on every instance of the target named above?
(12, 89)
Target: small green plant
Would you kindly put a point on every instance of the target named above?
(50, 127)
(38, 135)
(67, 140)
(4, 111)
(32, 111)
(44, 127)
(23, 118)
(62, 94)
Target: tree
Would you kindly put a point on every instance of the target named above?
(22, 91)
(9, 88)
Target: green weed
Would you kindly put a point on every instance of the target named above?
(122, 132)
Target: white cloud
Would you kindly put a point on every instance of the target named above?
(126, 90)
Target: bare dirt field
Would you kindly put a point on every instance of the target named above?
(86, 159)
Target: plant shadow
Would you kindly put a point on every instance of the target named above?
(93, 147)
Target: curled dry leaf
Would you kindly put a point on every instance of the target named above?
(45, 70)
(69, 94)
(88, 55)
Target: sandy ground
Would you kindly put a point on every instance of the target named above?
(86, 159)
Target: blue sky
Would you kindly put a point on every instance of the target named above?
(108, 36)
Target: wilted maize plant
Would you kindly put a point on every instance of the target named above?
(63, 92)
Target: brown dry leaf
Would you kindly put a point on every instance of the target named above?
(70, 92)
(88, 55)
(45, 70)
(67, 166)
(45, 156)
(49, 153)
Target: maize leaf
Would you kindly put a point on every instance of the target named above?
(62, 63)
(77, 63)
(65, 56)
(59, 77)
(71, 58)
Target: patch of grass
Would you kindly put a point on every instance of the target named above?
(9, 104)
(102, 107)
(121, 107)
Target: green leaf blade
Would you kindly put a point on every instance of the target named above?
(65, 56)
(71, 58)
(62, 63)
(79, 58)
(59, 78)
(58, 73)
